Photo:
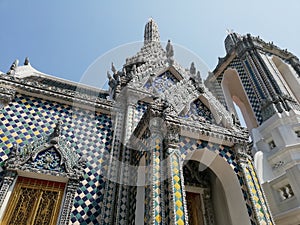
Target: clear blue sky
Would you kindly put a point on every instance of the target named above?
(63, 37)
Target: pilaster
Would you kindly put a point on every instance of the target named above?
(157, 167)
(127, 172)
(259, 205)
(177, 201)
(68, 202)
(112, 182)
(8, 179)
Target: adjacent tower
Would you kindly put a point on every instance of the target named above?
(263, 81)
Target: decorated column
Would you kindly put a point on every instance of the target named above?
(156, 189)
(111, 184)
(127, 171)
(68, 201)
(176, 199)
(259, 206)
(8, 179)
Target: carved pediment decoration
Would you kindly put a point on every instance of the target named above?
(7, 94)
(161, 83)
(197, 111)
(52, 155)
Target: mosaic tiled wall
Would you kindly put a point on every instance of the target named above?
(26, 119)
(188, 145)
(248, 87)
(139, 111)
(255, 191)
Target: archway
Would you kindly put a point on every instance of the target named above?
(234, 93)
(227, 198)
(288, 76)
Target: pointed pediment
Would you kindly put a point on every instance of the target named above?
(48, 159)
(162, 80)
(197, 111)
(48, 155)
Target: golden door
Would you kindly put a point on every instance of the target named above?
(34, 202)
(195, 213)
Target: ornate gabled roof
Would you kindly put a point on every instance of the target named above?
(153, 70)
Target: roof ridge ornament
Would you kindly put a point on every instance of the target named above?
(192, 69)
(170, 53)
(13, 67)
(26, 62)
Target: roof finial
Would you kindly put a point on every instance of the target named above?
(26, 62)
(151, 33)
(229, 31)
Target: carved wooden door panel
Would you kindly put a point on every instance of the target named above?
(34, 202)
(194, 208)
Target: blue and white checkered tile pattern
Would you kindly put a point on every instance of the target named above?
(188, 145)
(138, 113)
(248, 87)
(26, 119)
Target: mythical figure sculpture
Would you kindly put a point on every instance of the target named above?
(193, 69)
(124, 71)
(169, 49)
(113, 68)
(198, 78)
(112, 82)
(169, 52)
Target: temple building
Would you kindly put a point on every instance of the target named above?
(161, 146)
(264, 82)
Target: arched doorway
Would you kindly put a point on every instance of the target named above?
(214, 196)
(199, 196)
(235, 94)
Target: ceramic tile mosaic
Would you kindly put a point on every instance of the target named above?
(26, 119)
(139, 111)
(188, 145)
(248, 87)
(263, 213)
(177, 190)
